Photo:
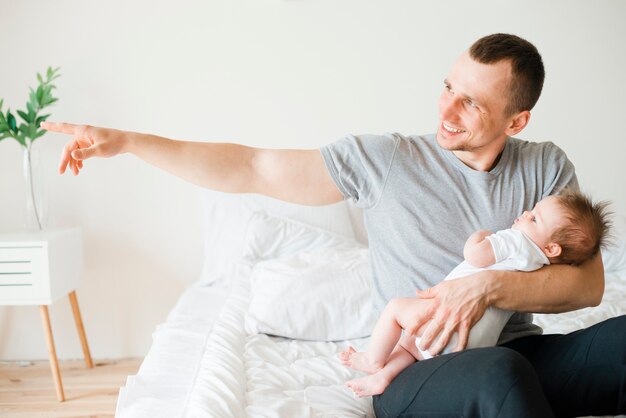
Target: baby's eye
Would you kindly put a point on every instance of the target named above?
(534, 219)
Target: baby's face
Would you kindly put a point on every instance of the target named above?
(541, 221)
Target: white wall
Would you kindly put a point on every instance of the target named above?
(274, 73)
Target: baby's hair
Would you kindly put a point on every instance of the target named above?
(586, 228)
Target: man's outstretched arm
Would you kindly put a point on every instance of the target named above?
(297, 176)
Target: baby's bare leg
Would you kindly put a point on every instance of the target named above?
(376, 383)
(385, 336)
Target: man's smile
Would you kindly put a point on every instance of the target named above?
(451, 129)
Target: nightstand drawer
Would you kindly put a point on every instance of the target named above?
(22, 273)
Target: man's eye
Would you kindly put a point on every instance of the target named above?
(471, 104)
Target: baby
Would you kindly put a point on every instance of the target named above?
(567, 229)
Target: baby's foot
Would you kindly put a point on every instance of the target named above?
(370, 385)
(344, 356)
(359, 361)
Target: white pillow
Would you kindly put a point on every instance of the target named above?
(614, 257)
(226, 216)
(306, 283)
(269, 237)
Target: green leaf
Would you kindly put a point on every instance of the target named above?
(39, 78)
(55, 73)
(1, 101)
(41, 119)
(11, 121)
(33, 102)
(21, 139)
(2, 119)
(31, 132)
(39, 95)
(25, 116)
(49, 73)
(46, 98)
(40, 133)
(49, 102)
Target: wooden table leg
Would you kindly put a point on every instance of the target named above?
(52, 353)
(81, 329)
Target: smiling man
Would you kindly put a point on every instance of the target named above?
(422, 197)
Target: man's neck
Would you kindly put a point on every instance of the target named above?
(481, 160)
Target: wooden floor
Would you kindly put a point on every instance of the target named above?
(27, 391)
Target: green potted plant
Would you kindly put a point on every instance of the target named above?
(25, 133)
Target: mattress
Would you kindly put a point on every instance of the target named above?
(203, 363)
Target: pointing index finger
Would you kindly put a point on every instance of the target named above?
(64, 128)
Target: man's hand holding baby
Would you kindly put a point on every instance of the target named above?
(459, 304)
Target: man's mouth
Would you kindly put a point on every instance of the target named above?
(451, 129)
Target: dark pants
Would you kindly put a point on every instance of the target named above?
(582, 373)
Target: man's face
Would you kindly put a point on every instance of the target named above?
(541, 222)
(471, 106)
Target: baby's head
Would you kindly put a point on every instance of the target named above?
(568, 228)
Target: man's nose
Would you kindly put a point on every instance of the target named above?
(447, 108)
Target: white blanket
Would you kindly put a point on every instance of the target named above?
(202, 363)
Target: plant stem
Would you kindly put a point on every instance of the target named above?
(32, 188)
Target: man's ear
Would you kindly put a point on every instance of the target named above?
(552, 249)
(518, 123)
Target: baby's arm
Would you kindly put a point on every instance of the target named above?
(478, 250)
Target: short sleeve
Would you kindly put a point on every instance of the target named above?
(516, 250)
(559, 171)
(505, 244)
(359, 165)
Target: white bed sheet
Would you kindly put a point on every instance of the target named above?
(202, 363)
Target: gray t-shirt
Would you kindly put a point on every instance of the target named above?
(421, 203)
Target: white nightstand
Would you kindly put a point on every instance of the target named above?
(37, 268)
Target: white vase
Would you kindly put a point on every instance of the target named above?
(36, 208)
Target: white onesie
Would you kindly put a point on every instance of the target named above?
(513, 251)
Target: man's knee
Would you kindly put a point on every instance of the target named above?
(480, 382)
(609, 342)
(517, 389)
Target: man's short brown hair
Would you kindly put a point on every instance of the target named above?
(527, 72)
(585, 230)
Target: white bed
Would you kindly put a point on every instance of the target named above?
(268, 263)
